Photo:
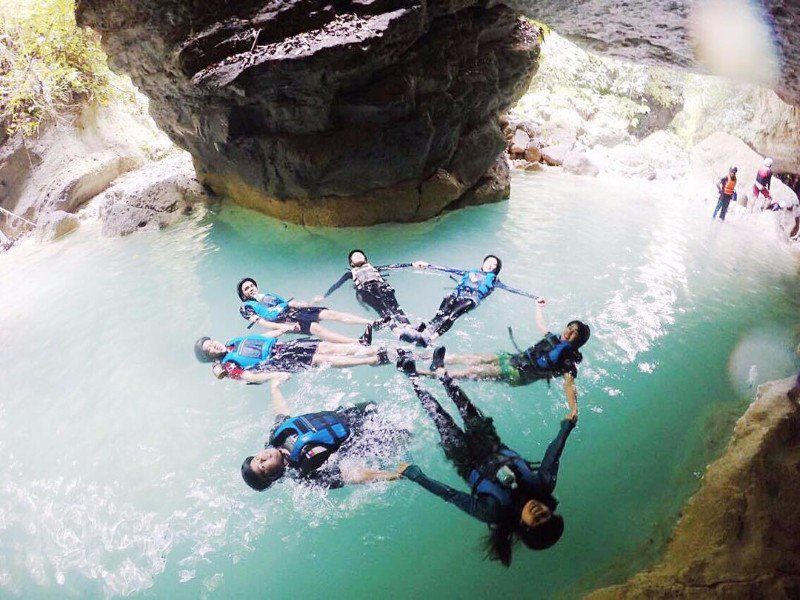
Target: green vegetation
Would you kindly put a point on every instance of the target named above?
(49, 67)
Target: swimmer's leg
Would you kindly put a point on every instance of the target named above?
(342, 362)
(343, 317)
(328, 335)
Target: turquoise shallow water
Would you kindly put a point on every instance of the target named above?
(119, 453)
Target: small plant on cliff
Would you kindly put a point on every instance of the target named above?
(49, 67)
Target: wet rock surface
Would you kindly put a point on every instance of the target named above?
(346, 113)
(739, 536)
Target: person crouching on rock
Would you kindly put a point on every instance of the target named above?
(259, 358)
(308, 448)
(508, 493)
(761, 186)
(726, 187)
(268, 309)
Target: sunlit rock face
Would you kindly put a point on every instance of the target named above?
(336, 113)
(749, 40)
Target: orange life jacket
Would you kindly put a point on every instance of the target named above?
(730, 185)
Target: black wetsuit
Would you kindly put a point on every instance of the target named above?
(373, 291)
(470, 448)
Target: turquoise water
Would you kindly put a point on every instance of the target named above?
(119, 453)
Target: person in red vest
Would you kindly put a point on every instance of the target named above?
(762, 183)
(727, 188)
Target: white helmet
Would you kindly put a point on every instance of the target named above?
(767, 162)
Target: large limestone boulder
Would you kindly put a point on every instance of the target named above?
(343, 113)
(152, 197)
(739, 536)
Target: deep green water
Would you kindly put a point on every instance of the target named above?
(119, 453)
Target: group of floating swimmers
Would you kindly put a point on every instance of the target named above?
(512, 495)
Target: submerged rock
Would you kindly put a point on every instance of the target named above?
(739, 536)
(344, 113)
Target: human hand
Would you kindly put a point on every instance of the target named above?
(572, 417)
(219, 371)
(419, 264)
(253, 318)
(317, 299)
(401, 468)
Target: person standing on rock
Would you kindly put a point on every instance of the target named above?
(473, 287)
(727, 188)
(268, 309)
(513, 496)
(762, 184)
(374, 291)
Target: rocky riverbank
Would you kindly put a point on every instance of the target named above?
(739, 535)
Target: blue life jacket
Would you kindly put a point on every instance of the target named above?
(270, 307)
(326, 430)
(249, 351)
(551, 358)
(483, 480)
(478, 289)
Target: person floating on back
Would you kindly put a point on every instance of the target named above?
(508, 493)
(552, 356)
(761, 186)
(473, 288)
(308, 447)
(727, 188)
(260, 358)
(268, 309)
(374, 291)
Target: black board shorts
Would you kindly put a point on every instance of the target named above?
(290, 357)
(305, 316)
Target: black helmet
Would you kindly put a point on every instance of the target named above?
(201, 354)
(241, 283)
(499, 266)
(545, 535)
(584, 332)
(255, 481)
(350, 256)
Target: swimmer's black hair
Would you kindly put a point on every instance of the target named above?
(239, 287)
(584, 332)
(254, 480)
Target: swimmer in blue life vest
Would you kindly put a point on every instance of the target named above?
(309, 447)
(373, 291)
(552, 356)
(260, 358)
(473, 287)
(267, 309)
(513, 496)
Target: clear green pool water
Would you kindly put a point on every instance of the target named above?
(119, 454)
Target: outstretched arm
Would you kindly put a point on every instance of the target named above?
(272, 329)
(548, 470)
(572, 396)
(279, 404)
(540, 316)
(421, 264)
(481, 507)
(358, 475)
(347, 275)
(393, 266)
(508, 288)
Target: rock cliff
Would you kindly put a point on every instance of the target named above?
(347, 113)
